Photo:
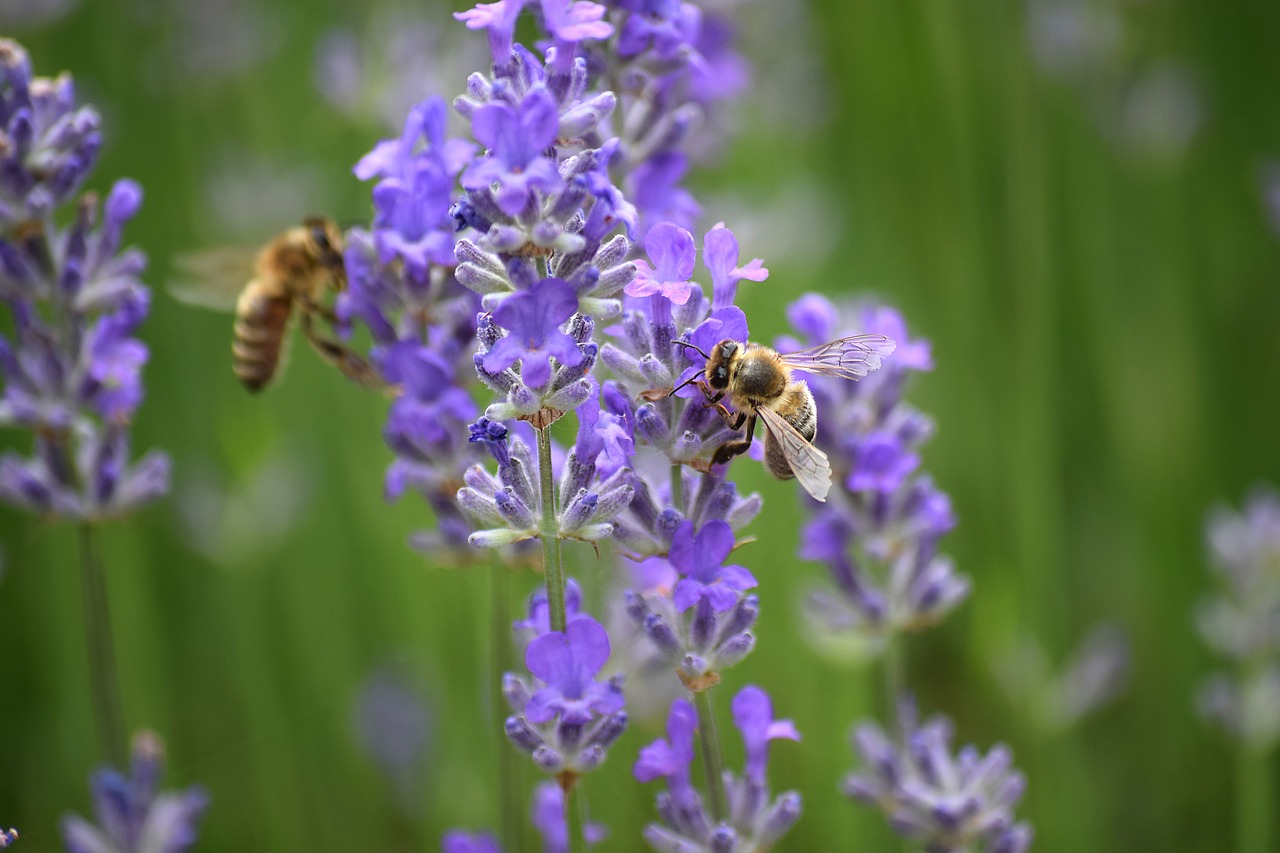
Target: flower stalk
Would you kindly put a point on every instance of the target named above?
(552, 558)
(103, 678)
(712, 762)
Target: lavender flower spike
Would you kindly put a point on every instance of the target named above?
(947, 803)
(71, 367)
(48, 145)
(566, 719)
(1239, 622)
(754, 821)
(132, 816)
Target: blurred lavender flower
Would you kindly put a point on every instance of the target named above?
(754, 821)
(457, 841)
(1095, 673)
(1242, 621)
(7, 837)
(878, 533)
(72, 368)
(1073, 38)
(1159, 113)
(947, 803)
(548, 816)
(132, 816)
(564, 718)
(395, 60)
(31, 14)
(393, 728)
(1270, 186)
(48, 145)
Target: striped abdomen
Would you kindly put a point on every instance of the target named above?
(798, 408)
(262, 317)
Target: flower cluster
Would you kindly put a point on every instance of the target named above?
(508, 508)
(878, 533)
(693, 608)
(752, 820)
(422, 322)
(7, 837)
(72, 366)
(947, 803)
(132, 817)
(1242, 622)
(564, 718)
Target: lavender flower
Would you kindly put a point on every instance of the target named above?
(1095, 673)
(507, 508)
(565, 718)
(72, 367)
(7, 837)
(132, 816)
(48, 145)
(703, 623)
(947, 803)
(754, 821)
(1242, 621)
(392, 727)
(879, 532)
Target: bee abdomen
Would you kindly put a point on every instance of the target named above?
(798, 409)
(259, 336)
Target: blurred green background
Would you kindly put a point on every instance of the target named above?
(1066, 199)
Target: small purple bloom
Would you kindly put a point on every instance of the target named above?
(700, 559)
(671, 249)
(753, 715)
(517, 138)
(881, 463)
(568, 663)
(572, 21)
(539, 619)
(532, 319)
(457, 841)
(500, 20)
(669, 759)
(720, 256)
(131, 814)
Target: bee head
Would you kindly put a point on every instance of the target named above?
(320, 230)
(718, 364)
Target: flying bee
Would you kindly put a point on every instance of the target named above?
(758, 382)
(293, 271)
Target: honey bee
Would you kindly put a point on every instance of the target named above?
(293, 271)
(760, 386)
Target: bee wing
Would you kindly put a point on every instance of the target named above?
(808, 463)
(213, 278)
(848, 358)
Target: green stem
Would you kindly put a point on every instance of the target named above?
(575, 816)
(508, 805)
(894, 667)
(677, 487)
(552, 562)
(553, 569)
(104, 683)
(712, 763)
(1253, 800)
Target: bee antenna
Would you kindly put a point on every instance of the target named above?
(692, 346)
(689, 381)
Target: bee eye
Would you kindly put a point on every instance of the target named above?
(720, 377)
(728, 348)
(321, 239)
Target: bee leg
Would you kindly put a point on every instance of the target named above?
(730, 449)
(350, 364)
